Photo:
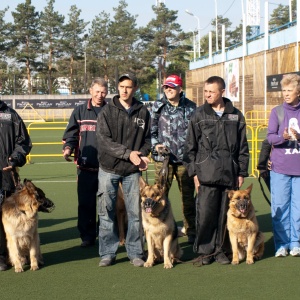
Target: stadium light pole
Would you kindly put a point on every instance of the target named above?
(199, 37)
(217, 42)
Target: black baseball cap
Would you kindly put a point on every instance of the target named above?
(129, 76)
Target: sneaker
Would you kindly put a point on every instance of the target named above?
(105, 262)
(281, 252)
(207, 260)
(137, 262)
(295, 251)
(222, 259)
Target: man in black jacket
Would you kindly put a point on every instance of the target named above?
(15, 144)
(80, 138)
(217, 156)
(124, 142)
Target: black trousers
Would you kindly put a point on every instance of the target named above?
(211, 217)
(87, 187)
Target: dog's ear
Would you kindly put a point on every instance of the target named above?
(230, 193)
(30, 186)
(249, 188)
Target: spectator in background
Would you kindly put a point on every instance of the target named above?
(169, 123)
(285, 169)
(80, 138)
(15, 144)
(217, 156)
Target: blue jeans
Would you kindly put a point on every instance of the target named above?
(107, 197)
(285, 195)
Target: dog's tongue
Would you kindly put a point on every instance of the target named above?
(148, 210)
(242, 211)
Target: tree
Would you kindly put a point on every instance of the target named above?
(52, 28)
(72, 43)
(97, 47)
(281, 16)
(26, 38)
(164, 44)
(123, 42)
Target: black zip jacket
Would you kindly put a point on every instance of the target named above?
(15, 144)
(216, 147)
(80, 135)
(119, 133)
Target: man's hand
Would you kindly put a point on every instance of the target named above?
(197, 183)
(143, 166)
(8, 168)
(134, 157)
(67, 153)
(240, 181)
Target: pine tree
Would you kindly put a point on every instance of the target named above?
(73, 47)
(164, 44)
(51, 25)
(123, 42)
(97, 47)
(26, 39)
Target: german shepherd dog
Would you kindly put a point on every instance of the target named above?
(20, 222)
(244, 234)
(159, 227)
(121, 214)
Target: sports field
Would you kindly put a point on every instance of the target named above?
(71, 272)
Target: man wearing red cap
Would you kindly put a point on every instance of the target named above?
(169, 122)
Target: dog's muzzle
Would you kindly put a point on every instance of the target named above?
(149, 205)
(242, 205)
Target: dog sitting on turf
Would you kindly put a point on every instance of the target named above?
(245, 237)
(20, 222)
(159, 226)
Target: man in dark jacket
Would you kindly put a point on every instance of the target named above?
(217, 155)
(169, 123)
(15, 144)
(80, 138)
(123, 137)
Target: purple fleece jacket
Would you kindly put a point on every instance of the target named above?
(285, 155)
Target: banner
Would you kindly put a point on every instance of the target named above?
(273, 82)
(232, 79)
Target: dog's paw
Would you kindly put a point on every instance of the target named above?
(168, 266)
(148, 264)
(235, 262)
(19, 270)
(34, 268)
(249, 261)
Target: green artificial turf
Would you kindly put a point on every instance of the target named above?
(71, 272)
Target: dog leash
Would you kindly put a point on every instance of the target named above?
(263, 191)
(198, 261)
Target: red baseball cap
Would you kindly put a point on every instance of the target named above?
(173, 81)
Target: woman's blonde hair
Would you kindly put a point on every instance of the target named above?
(293, 79)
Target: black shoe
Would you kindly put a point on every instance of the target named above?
(86, 244)
(222, 259)
(3, 265)
(207, 260)
(105, 262)
(191, 239)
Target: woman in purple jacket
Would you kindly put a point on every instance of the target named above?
(285, 173)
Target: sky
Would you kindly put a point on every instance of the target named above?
(204, 10)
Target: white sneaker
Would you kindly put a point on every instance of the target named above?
(295, 251)
(281, 252)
